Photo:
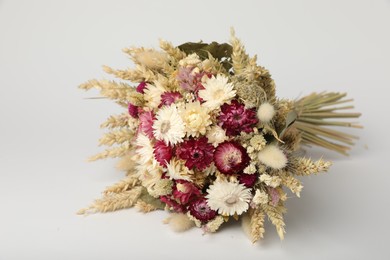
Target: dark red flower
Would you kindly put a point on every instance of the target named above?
(167, 98)
(197, 153)
(235, 118)
(230, 157)
(174, 205)
(248, 180)
(133, 110)
(162, 152)
(184, 191)
(141, 87)
(201, 210)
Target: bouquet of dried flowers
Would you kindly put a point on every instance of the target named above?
(205, 138)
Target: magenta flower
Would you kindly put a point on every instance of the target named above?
(162, 152)
(167, 98)
(146, 123)
(230, 157)
(235, 118)
(184, 191)
(134, 110)
(248, 180)
(197, 153)
(174, 205)
(141, 86)
(201, 210)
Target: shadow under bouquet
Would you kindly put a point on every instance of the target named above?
(204, 137)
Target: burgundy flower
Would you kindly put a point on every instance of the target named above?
(197, 153)
(134, 110)
(184, 191)
(201, 210)
(173, 204)
(248, 180)
(140, 88)
(168, 98)
(146, 123)
(235, 118)
(230, 157)
(162, 152)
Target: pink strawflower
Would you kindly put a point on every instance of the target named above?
(275, 196)
(146, 123)
(197, 153)
(174, 205)
(162, 152)
(167, 98)
(189, 80)
(184, 191)
(235, 118)
(230, 157)
(141, 86)
(201, 210)
(248, 180)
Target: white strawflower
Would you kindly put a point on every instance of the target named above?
(152, 94)
(228, 198)
(272, 181)
(190, 61)
(168, 125)
(266, 112)
(176, 170)
(261, 197)
(195, 118)
(216, 135)
(273, 157)
(217, 91)
(144, 149)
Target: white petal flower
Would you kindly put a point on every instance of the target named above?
(195, 118)
(168, 125)
(217, 91)
(228, 198)
(144, 149)
(191, 60)
(216, 135)
(176, 170)
(261, 197)
(152, 94)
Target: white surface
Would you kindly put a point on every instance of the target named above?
(47, 129)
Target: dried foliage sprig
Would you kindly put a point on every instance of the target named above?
(205, 138)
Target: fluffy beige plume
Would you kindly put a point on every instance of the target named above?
(116, 137)
(305, 166)
(179, 222)
(114, 201)
(275, 215)
(111, 153)
(123, 185)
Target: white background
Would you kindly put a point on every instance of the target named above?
(48, 129)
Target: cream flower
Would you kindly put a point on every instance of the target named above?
(217, 91)
(261, 197)
(168, 125)
(191, 60)
(144, 149)
(152, 94)
(216, 135)
(228, 198)
(176, 170)
(195, 118)
(272, 181)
